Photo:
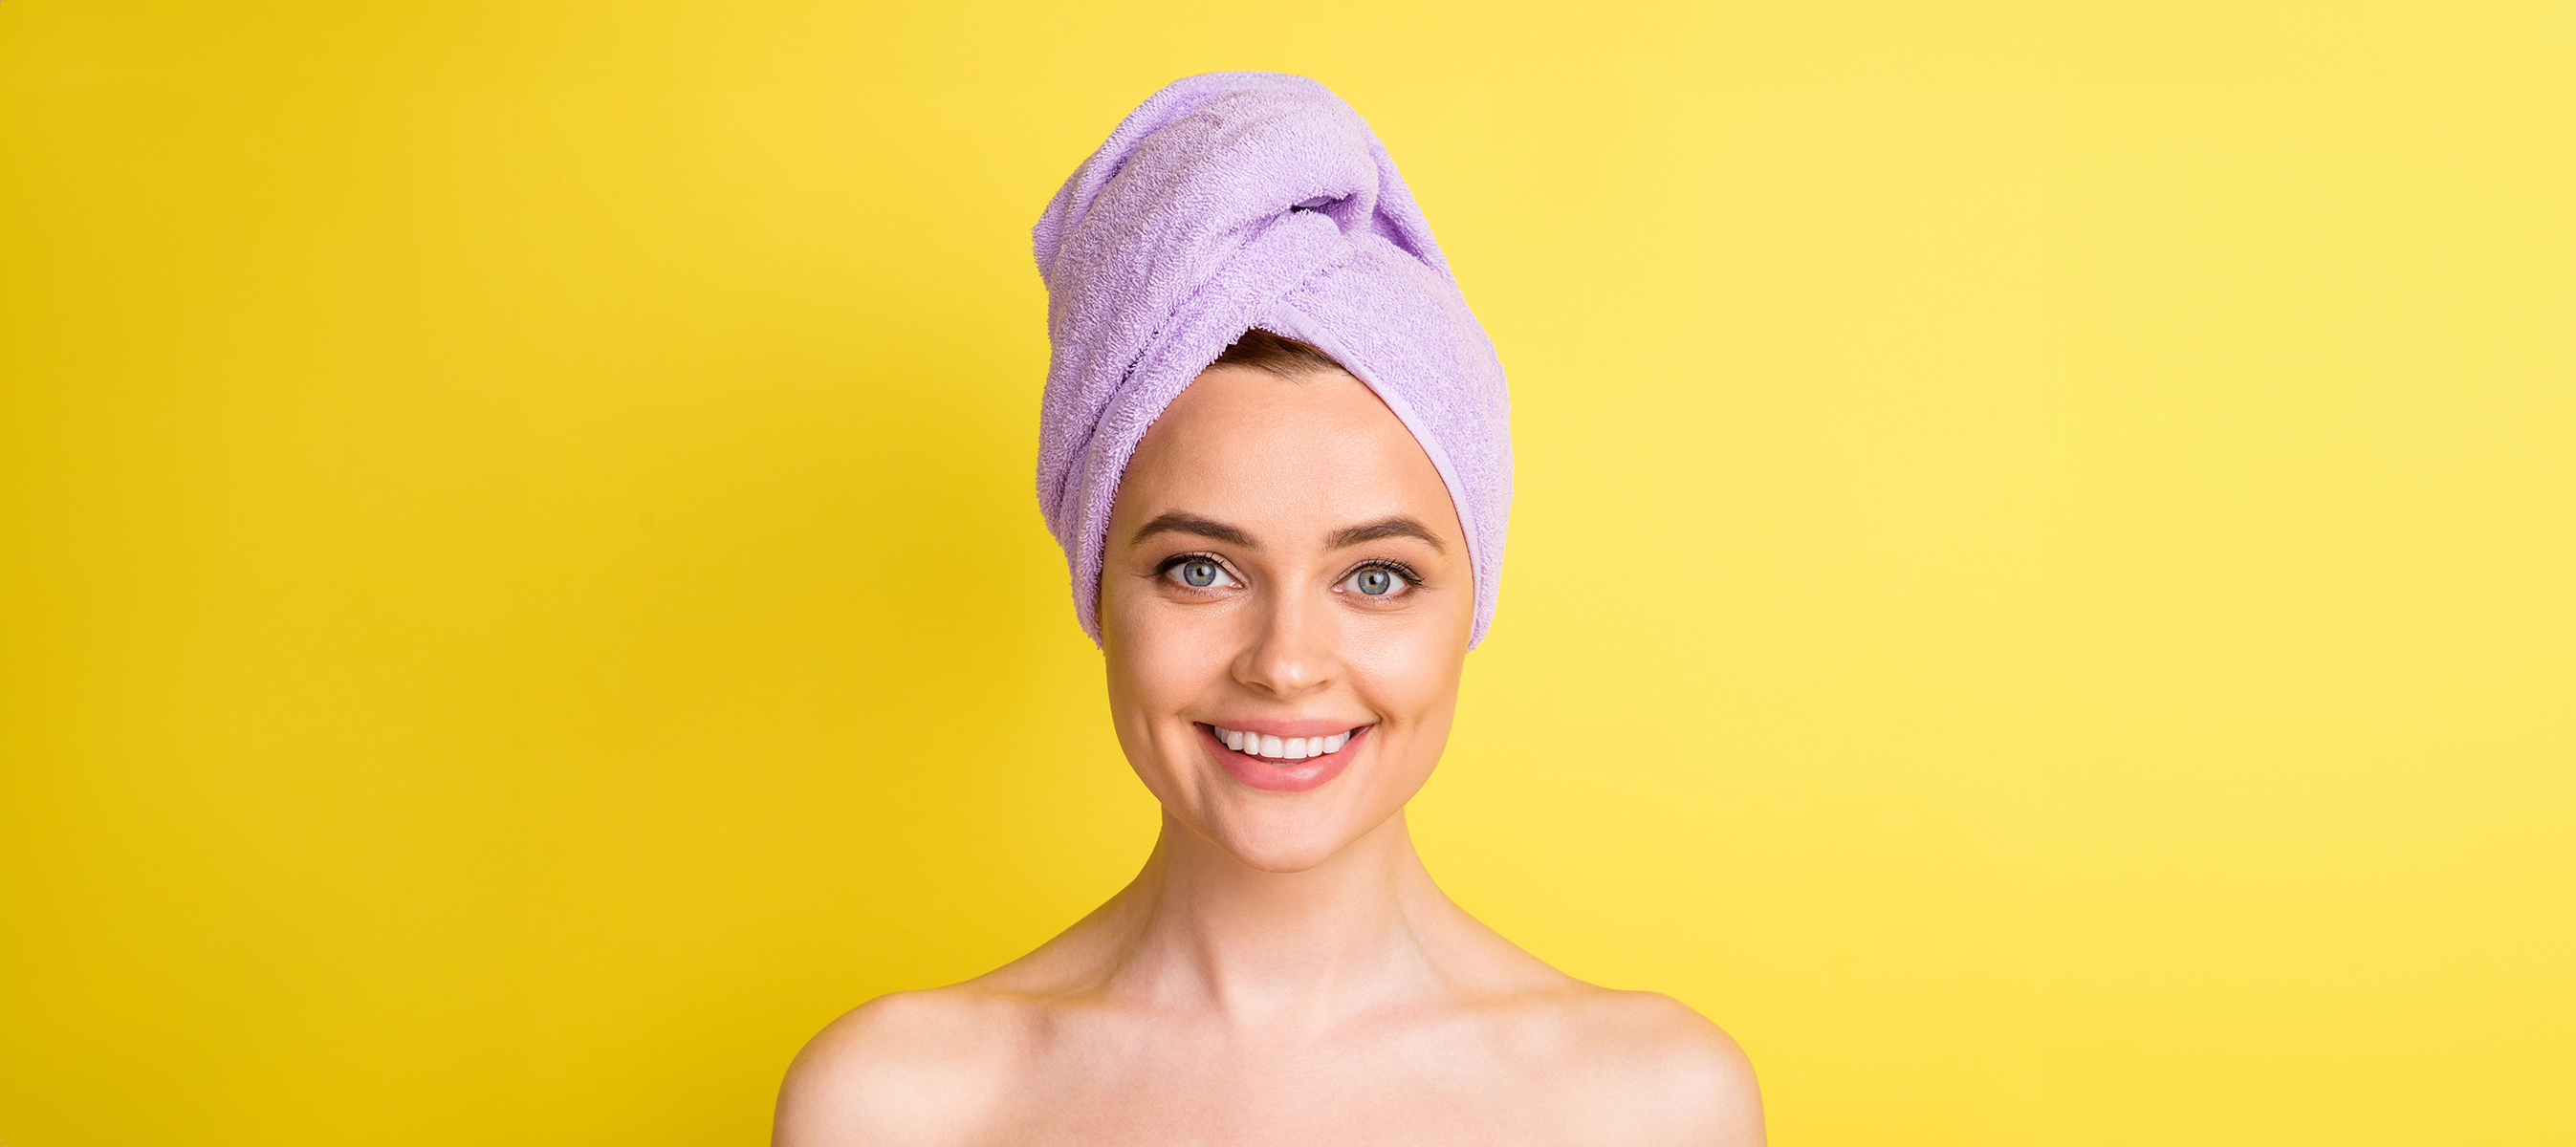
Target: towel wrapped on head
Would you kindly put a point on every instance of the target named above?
(1241, 200)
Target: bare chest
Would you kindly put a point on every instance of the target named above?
(1432, 1084)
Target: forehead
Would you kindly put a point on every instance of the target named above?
(1319, 451)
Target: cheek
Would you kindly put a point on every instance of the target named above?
(1158, 661)
(1410, 671)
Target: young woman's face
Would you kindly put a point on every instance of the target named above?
(1285, 606)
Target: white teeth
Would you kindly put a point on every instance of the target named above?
(1282, 749)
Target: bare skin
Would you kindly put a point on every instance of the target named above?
(1283, 556)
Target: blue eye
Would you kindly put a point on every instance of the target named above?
(1199, 574)
(1374, 582)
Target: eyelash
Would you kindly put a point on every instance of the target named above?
(1390, 565)
(1163, 571)
(1397, 568)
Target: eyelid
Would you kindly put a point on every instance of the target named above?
(1403, 572)
(1391, 565)
(1163, 569)
(1165, 565)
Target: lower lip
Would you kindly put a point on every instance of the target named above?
(1287, 777)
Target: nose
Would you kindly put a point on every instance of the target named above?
(1292, 652)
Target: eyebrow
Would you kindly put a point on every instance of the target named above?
(1398, 526)
(1176, 522)
(1180, 522)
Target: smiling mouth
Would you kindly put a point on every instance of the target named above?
(1281, 750)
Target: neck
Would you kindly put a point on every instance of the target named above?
(1203, 930)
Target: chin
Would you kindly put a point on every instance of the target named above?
(1285, 860)
(1282, 843)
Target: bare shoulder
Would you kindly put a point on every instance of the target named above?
(1655, 1071)
(1627, 1068)
(912, 1067)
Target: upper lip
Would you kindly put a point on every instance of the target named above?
(1286, 729)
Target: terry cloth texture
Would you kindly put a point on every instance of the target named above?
(1237, 200)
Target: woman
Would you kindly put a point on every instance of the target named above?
(1275, 448)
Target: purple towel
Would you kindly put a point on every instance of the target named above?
(1237, 200)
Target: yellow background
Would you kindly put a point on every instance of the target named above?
(2042, 596)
